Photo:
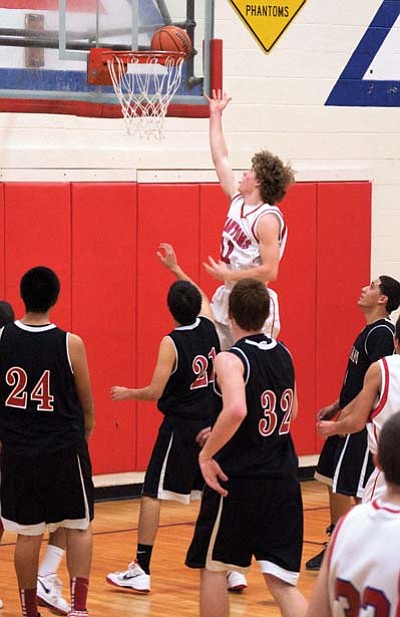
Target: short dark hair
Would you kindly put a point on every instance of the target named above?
(388, 449)
(39, 289)
(184, 302)
(390, 288)
(6, 313)
(273, 175)
(249, 304)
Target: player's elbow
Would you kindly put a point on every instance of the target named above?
(237, 413)
(274, 269)
(269, 274)
(152, 393)
(273, 275)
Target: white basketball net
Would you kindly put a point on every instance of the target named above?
(145, 85)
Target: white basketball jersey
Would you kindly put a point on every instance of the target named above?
(239, 244)
(389, 400)
(388, 404)
(240, 250)
(364, 562)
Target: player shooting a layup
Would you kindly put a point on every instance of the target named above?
(254, 234)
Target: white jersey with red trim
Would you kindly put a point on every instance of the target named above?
(388, 404)
(239, 243)
(364, 562)
(240, 250)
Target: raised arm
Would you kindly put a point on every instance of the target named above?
(354, 416)
(152, 392)
(229, 371)
(77, 354)
(166, 255)
(219, 151)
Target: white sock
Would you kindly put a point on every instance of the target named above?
(51, 560)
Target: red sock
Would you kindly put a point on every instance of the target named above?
(79, 591)
(28, 602)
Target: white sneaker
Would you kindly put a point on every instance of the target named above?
(49, 593)
(235, 581)
(1, 603)
(133, 578)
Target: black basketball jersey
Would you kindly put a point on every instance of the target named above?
(39, 407)
(262, 446)
(373, 342)
(189, 392)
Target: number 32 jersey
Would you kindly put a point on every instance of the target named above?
(262, 445)
(364, 562)
(39, 407)
(189, 392)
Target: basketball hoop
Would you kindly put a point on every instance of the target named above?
(144, 83)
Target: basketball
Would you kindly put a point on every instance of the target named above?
(171, 38)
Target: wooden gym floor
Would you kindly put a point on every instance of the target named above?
(174, 587)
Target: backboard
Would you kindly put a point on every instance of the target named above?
(44, 46)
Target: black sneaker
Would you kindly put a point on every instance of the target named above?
(315, 562)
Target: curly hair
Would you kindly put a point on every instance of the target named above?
(273, 175)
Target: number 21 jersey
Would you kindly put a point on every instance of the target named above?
(189, 392)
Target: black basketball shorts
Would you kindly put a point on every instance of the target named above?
(354, 465)
(173, 471)
(52, 489)
(260, 517)
(328, 459)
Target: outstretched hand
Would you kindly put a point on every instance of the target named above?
(218, 269)
(166, 255)
(119, 393)
(218, 101)
(212, 473)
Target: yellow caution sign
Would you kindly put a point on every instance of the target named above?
(267, 20)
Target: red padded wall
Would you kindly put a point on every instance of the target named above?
(104, 310)
(344, 254)
(213, 209)
(38, 232)
(102, 240)
(296, 285)
(166, 213)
